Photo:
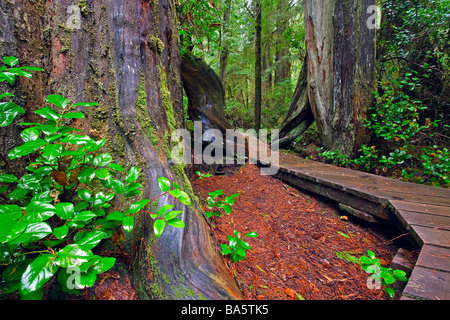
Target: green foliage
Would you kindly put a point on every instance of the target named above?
(70, 200)
(236, 248)
(216, 206)
(381, 276)
(203, 175)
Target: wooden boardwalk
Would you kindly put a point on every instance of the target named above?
(422, 211)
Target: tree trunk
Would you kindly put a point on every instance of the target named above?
(258, 66)
(283, 66)
(125, 56)
(341, 61)
(223, 56)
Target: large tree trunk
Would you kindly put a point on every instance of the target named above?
(125, 56)
(341, 62)
(258, 66)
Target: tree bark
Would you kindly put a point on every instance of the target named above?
(223, 56)
(341, 62)
(258, 66)
(283, 66)
(125, 56)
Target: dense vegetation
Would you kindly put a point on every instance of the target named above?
(409, 121)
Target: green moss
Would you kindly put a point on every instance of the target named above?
(157, 44)
(166, 99)
(143, 116)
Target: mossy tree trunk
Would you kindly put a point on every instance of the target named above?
(125, 56)
(336, 83)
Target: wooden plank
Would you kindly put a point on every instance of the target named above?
(424, 199)
(432, 236)
(424, 219)
(433, 257)
(425, 283)
(420, 207)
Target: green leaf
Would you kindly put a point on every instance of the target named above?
(177, 223)
(11, 61)
(85, 104)
(29, 134)
(172, 214)
(8, 178)
(128, 223)
(371, 254)
(102, 264)
(86, 175)
(37, 211)
(20, 72)
(184, 198)
(52, 151)
(116, 215)
(72, 255)
(225, 249)
(73, 115)
(136, 206)
(76, 139)
(390, 292)
(27, 148)
(8, 112)
(34, 232)
(48, 113)
(58, 100)
(251, 235)
(158, 227)
(102, 173)
(18, 194)
(400, 275)
(93, 145)
(227, 208)
(61, 232)
(32, 68)
(116, 167)
(65, 210)
(91, 239)
(164, 209)
(164, 184)
(132, 175)
(84, 195)
(84, 215)
(102, 160)
(37, 274)
(118, 186)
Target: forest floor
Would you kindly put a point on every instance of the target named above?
(300, 237)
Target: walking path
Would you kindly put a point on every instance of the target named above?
(423, 211)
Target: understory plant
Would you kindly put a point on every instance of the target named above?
(69, 200)
(216, 205)
(236, 248)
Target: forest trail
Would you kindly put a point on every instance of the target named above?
(300, 237)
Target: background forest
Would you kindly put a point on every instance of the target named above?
(408, 123)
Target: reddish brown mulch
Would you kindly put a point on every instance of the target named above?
(294, 255)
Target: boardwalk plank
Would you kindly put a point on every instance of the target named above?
(425, 283)
(434, 258)
(433, 236)
(420, 207)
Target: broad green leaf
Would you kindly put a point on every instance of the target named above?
(158, 227)
(132, 175)
(11, 61)
(86, 175)
(58, 100)
(116, 215)
(8, 112)
(118, 186)
(102, 160)
(132, 193)
(72, 255)
(76, 139)
(73, 115)
(390, 292)
(164, 209)
(251, 235)
(84, 215)
(8, 178)
(20, 72)
(172, 214)
(102, 173)
(136, 206)
(128, 223)
(34, 232)
(37, 273)
(91, 239)
(93, 145)
(87, 279)
(52, 151)
(32, 68)
(102, 264)
(29, 134)
(86, 104)
(371, 254)
(18, 194)
(225, 249)
(27, 148)
(65, 210)
(6, 94)
(61, 232)
(184, 198)
(84, 195)
(227, 209)
(116, 167)
(37, 211)
(164, 184)
(177, 223)
(48, 113)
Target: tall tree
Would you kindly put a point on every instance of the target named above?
(283, 65)
(125, 55)
(340, 73)
(223, 56)
(258, 66)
